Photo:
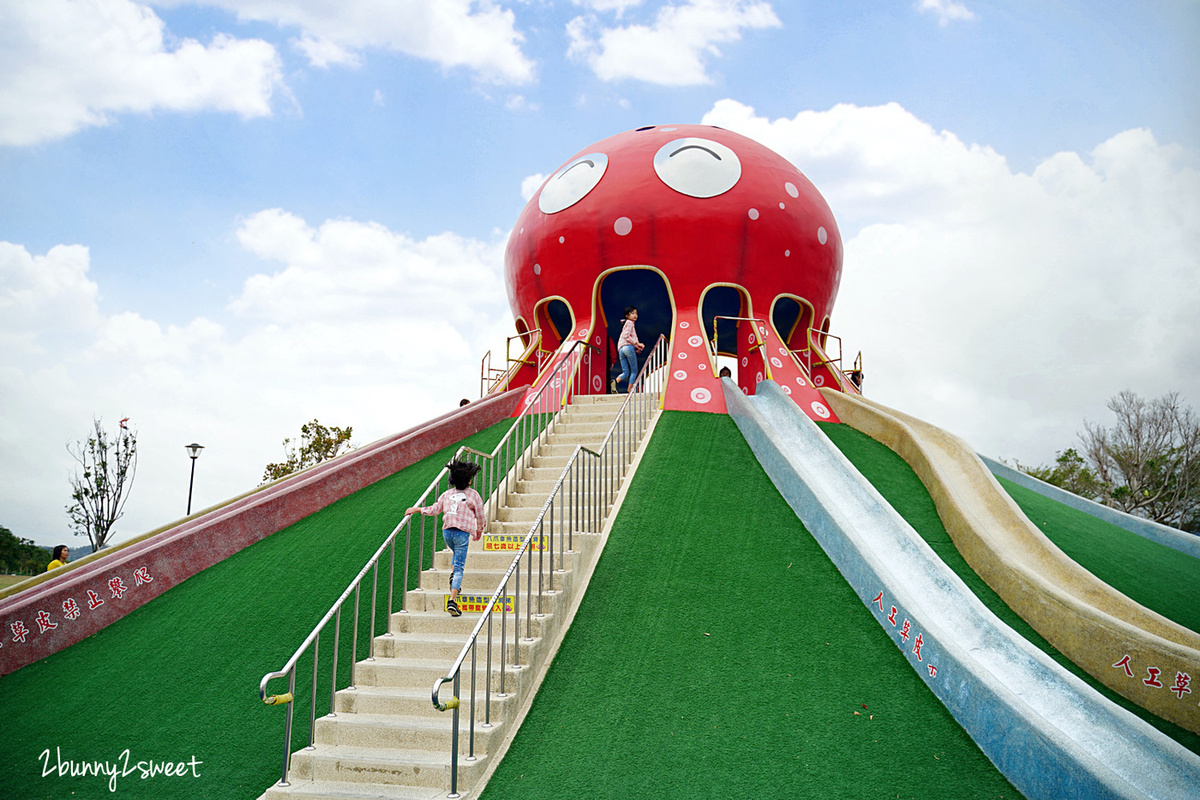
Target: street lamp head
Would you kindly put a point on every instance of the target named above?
(193, 449)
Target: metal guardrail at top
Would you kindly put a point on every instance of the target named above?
(490, 377)
(758, 342)
(583, 494)
(833, 364)
(500, 469)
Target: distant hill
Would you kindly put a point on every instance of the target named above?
(22, 557)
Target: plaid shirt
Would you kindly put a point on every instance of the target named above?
(628, 334)
(462, 509)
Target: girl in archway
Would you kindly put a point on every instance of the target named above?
(628, 346)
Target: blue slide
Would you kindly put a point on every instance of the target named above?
(1049, 733)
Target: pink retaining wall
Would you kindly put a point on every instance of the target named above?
(72, 606)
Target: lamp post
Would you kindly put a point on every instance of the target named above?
(193, 450)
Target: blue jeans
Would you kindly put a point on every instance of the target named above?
(458, 541)
(628, 356)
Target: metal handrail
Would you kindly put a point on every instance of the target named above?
(714, 352)
(834, 365)
(490, 377)
(536, 420)
(589, 493)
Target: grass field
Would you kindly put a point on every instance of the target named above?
(718, 653)
(177, 679)
(8, 580)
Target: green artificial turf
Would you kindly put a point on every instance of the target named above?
(1160, 578)
(719, 653)
(178, 678)
(1113, 554)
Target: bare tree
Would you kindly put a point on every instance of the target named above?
(1148, 463)
(317, 443)
(100, 490)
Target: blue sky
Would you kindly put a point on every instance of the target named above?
(223, 225)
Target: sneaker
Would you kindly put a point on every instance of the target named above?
(453, 608)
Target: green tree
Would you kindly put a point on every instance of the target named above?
(100, 486)
(1147, 464)
(1070, 472)
(317, 443)
(20, 556)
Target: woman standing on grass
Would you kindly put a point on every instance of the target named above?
(463, 520)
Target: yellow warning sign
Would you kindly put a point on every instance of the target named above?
(511, 542)
(476, 603)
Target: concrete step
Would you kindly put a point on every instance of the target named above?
(498, 553)
(420, 622)
(548, 474)
(416, 702)
(473, 604)
(344, 790)
(480, 582)
(414, 768)
(529, 514)
(412, 672)
(583, 400)
(443, 648)
(560, 449)
(543, 486)
(401, 732)
(528, 499)
(579, 427)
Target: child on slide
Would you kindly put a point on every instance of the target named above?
(628, 347)
(463, 520)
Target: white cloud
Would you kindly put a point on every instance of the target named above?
(674, 50)
(1004, 306)
(358, 325)
(452, 33)
(519, 103)
(530, 185)
(65, 66)
(616, 6)
(947, 11)
(323, 53)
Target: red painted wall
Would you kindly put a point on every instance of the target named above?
(82, 600)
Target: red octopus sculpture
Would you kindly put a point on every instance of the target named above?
(691, 224)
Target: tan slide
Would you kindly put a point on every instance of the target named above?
(1131, 649)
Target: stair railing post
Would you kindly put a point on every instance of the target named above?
(503, 635)
(287, 728)
(391, 585)
(471, 722)
(337, 635)
(312, 701)
(529, 592)
(354, 641)
(407, 551)
(454, 744)
(516, 656)
(371, 623)
(487, 699)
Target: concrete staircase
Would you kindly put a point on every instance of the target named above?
(387, 740)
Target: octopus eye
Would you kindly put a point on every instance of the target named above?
(697, 167)
(572, 183)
